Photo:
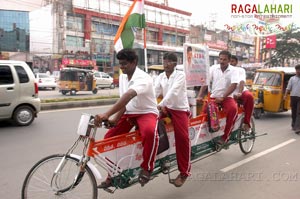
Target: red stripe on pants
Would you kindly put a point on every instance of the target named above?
(182, 141)
(248, 104)
(230, 108)
(147, 124)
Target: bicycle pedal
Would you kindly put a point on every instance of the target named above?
(218, 148)
(109, 190)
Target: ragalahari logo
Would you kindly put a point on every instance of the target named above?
(262, 20)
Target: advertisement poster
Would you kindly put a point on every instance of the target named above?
(196, 64)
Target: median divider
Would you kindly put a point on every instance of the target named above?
(77, 104)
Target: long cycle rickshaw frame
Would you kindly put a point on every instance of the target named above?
(68, 175)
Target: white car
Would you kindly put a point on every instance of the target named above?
(45, 81)
(19, 99)
(104, 80)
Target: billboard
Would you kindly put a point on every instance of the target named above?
(196, 64)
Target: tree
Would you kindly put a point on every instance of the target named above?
(287, 48)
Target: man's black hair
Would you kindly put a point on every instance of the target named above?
(170, 56)
(225, 52)
(297, 67)
(127, 54)
(234, 57)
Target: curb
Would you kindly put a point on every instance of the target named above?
(76, 104)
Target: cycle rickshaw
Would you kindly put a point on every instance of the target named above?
(69, 174)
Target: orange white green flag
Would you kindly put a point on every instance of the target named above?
(134, 18)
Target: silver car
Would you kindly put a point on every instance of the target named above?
(19, 99)
(104, 80)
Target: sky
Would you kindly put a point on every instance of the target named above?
(220, 10)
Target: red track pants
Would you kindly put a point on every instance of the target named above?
(147, 125)
(248, 104)
(180, 121)
(230, 108)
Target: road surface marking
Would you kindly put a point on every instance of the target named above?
(240, 163)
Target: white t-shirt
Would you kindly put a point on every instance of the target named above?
(173, 90)
(142, 84)
(221, 81)
(242, 77)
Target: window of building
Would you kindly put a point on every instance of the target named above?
(169, 39)
(14, 28)
(74, 41)
(75, 22)
(102, 45)
(100, 28)
(152, 36)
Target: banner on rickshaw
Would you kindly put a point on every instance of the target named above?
(196, 64)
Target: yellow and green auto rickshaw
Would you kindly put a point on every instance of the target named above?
(268, 89)
(72, 80)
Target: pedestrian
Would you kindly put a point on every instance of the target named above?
(137, 105)
(243, 94)
(293, 88)
(224, 79)
(171, 86)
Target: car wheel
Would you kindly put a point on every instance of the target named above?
(112, 86)
(95, 91)
(23, 115)
(64, 92)
(73, 92)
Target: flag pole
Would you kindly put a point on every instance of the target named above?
(145, 51)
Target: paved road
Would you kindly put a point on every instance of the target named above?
(270, 171)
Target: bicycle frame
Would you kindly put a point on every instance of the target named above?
(121, 155)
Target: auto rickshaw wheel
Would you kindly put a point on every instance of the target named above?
(64, 92)
(257, 113)
(73, 92)
(95, 91)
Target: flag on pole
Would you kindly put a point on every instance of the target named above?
(271, 41)
(134, 18)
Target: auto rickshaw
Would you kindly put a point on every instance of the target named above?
(72, 80)
(268, 89)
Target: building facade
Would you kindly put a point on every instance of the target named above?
(80, 33)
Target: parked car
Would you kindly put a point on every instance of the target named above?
(104, 80)
(45, 81)
(19, 99)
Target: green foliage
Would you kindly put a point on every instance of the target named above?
(287, 48)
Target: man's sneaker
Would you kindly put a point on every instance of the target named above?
(246, 127)
(144, 177)
(297, 131)
(105, 184)
(179, 181)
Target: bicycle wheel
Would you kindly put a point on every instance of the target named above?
(40, 182)
(246, 139)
